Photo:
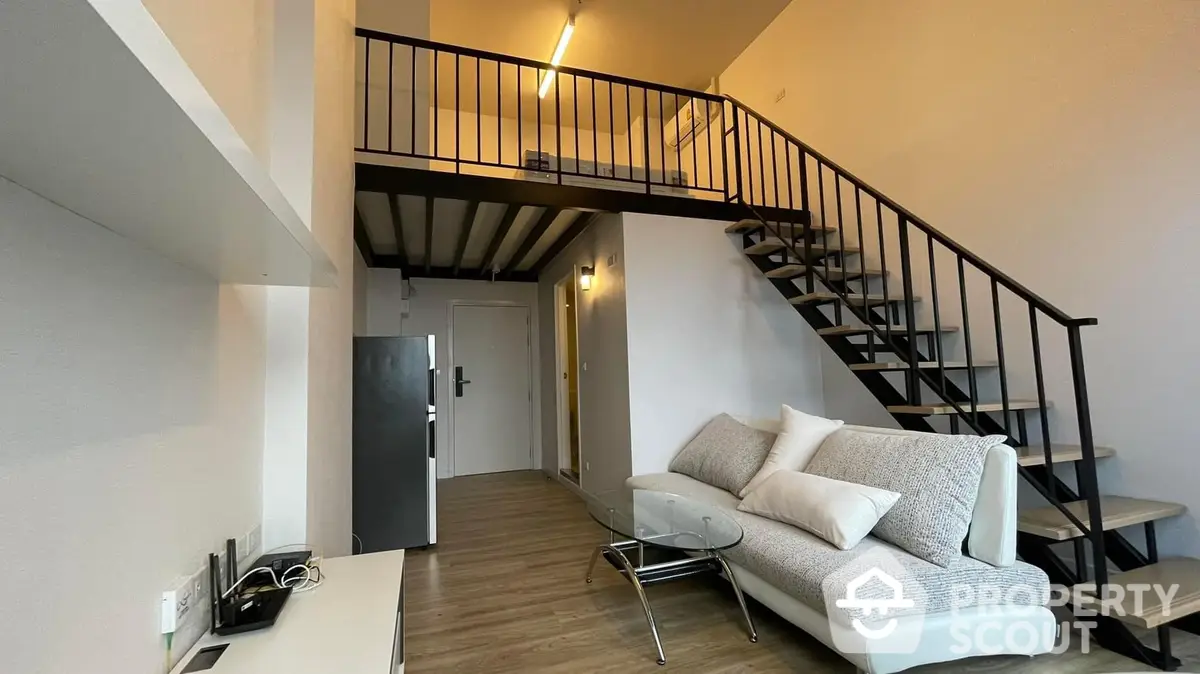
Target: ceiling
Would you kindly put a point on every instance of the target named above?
(460, 239)
(684, 43)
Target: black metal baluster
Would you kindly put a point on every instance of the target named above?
(725, 157)
(595, 136)
(662, 140)
(749, 196)
(412, 119)
(1041, 393)
(479, 110)
(695, 138)
(437, 137)
(887, 322)
(367, 96)
(762, 171)
(971, 381)
(391, 68)
(575, 110)
(810, 231)
(910, 315)
(629, 128)
(1085, 473)
(520, 124)
(646, 135)
(539, 126)
(774, 171)
(678, 139)
(862, 270)
(612, 132)
(708, 140)
(457, 118)
(936, 341)
(499, 113)
(558, 163)
(1000, 357)
(837, 306)
(837, 191)
(787, 178)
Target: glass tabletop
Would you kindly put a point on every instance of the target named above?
(665, 520)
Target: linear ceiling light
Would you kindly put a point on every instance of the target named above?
(561, 49)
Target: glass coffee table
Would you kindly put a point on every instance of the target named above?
(664, 521)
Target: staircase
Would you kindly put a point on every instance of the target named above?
(854, 279)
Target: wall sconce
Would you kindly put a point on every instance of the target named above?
(585, 277)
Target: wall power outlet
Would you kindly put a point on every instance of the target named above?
(178, 604)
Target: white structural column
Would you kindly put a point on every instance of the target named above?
(306, 453)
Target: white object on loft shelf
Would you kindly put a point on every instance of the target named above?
(102, 116)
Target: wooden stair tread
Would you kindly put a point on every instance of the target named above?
(924, 365)
(853, 298)
(750, 224)
(852, 330)
(1036, 455)
(1181, 572)
(1118, 511)
(946, 408)
(773, 244)
(793, 270)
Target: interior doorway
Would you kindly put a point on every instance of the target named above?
(566, 333)
(491, 396)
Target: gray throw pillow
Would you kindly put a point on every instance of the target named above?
(937, 476)
(725, 454)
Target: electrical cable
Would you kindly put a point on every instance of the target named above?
(297, 583)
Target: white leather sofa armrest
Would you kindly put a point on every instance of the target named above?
(993, 536)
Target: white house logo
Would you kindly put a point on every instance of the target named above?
(869, 606)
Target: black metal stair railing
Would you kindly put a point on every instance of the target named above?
(466, 110)
(763, 153)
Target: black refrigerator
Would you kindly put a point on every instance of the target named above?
(395, 472)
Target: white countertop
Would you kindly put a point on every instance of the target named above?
(348, 624)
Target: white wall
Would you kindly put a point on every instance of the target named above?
(131, 392)
(1056, 140)
(360, 293)
(604, 387)
(228, 44)
(708, 333)
(429, 305)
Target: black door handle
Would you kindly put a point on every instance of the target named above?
(459, 381)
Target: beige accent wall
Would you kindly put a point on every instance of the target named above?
(1058, 140)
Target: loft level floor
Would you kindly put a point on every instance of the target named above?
(440, 184)
(503, 592)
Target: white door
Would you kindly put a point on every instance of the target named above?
(492, 404)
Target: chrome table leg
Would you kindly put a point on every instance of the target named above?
(738, 592)
(592, 563)
(637, 584)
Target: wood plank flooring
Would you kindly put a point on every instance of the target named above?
(503, 592)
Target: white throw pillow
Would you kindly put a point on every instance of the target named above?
(800, 436)
(842, 513)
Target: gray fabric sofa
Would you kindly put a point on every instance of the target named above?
(785, 568)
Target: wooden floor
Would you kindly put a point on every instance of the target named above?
(503, 591)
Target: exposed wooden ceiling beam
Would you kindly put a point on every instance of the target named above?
(531, 238)
(361, 239)
(398, 228)
(506, 223)
(393, 262)
(581, 223)
(468, 224)
(428, 234)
